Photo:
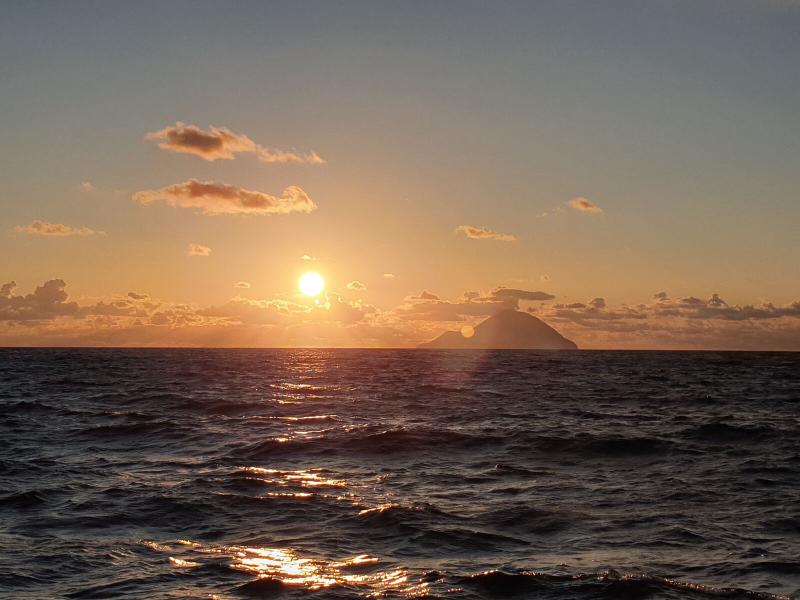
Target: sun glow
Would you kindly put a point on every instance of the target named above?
(311, 284)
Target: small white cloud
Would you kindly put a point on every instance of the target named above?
(583, 205)
(198, 250)
(55, 229)
(483, 233)
(389, 275)
(245, 285)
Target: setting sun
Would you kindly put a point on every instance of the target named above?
(311, 284)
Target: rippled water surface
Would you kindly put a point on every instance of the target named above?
(350, 473)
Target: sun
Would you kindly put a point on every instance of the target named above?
(311, 284)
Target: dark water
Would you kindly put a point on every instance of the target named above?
(388, 474)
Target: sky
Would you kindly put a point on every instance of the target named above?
(625, 171)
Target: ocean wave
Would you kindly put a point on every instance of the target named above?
(608, 584)
(389, 441)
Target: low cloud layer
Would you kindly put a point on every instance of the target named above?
(583, 205)
(222, 143)
(55, 229)
(482, 233)
(46, 316)
(222, 199)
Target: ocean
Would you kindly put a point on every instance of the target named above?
(398, 474)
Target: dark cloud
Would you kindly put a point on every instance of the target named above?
(511, 293)
(48, 301)
(598, 303)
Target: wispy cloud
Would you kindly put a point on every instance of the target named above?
(87, 186)
(220, 199)
(584, 205)
(222, 143)
(55, 229)
(483, 233)
(245, 285)
(198, 250)
(356, 285)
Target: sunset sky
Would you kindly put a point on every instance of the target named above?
(626, 171)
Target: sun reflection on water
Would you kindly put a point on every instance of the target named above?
(303, 477)
(290, 569)
(286, 567)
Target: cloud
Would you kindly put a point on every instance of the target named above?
(513, 294)
(546, 278)
(198, 250)
(222, 143)
(48, 317)
(584, 205)
(597, 303)
(223, 199)
(307, 257)
(242, 284)
(389, 275)
(356, 285)
(87, 186)
(482, 233)
(55, 229)
(429, 307)
(426, 295)
(48, 301)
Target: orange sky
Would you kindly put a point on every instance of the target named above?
(628, 175)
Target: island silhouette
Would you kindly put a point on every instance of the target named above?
(507, 330)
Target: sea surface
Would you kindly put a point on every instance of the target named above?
(398, 474)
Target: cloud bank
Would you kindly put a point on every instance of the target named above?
(222, 199)
(222, 143)
(48, 317)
